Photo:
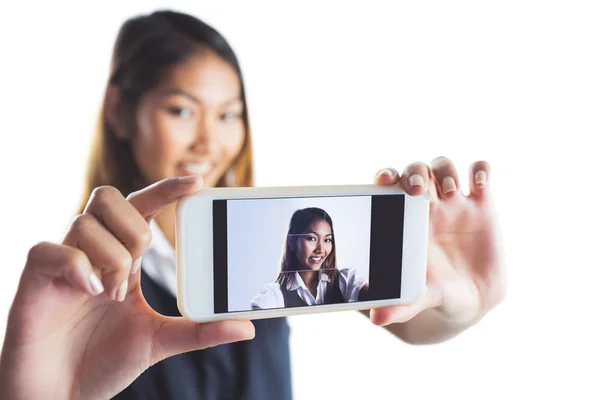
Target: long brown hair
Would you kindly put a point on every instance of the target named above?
(145, 49)
(299, 225)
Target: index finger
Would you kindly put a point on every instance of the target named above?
(152, 199)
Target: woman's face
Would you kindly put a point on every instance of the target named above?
(192, 123)
(313, 247)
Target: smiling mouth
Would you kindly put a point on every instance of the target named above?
(316, 259)
(201, 169)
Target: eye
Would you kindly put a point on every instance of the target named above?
(328, 240)
(180, 112)
(230, 116)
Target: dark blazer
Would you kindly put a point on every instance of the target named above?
(255, 369)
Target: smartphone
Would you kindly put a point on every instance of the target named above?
(265, 252)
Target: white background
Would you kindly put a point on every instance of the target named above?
(371, 84)
(256, 233)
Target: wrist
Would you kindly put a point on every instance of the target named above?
(430, 326)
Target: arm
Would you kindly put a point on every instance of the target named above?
(428, 327)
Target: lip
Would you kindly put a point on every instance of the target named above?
(320, 259)
(202, 168)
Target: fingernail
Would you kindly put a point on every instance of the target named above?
(448, 184)
(95, 283)
(480, 177)
(189, 179)
(416, 180)
(122, 291)
(385, 172)
(136, 265)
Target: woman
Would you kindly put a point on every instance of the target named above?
(309, 273)
(92, 319)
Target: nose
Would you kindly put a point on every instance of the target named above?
(205, 133)
(319, 246)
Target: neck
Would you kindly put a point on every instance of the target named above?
(166, 221)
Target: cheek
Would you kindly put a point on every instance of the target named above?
(170, 136)
(304, 248)
(232, 139)
(310, 247)
(157, 144)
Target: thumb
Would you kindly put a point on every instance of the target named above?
(177, 335)
(152, 199)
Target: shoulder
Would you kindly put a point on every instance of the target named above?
(269, 297)
(349, 278)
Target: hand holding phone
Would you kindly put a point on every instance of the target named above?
(79, 325)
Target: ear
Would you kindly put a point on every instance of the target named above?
(110, 112)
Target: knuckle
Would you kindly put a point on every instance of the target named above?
(140, 240)
(75, 258)
(105, 194)
(82, 222)
(145, 237)
(124, 261)
(35, 251)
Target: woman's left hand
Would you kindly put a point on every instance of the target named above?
(465, 266)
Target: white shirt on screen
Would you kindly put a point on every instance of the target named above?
(271, 296)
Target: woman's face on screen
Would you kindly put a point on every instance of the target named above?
(192, 122)
(314, 246)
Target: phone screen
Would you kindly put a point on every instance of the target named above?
(272, 253)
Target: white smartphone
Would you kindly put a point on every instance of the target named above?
(250, 253)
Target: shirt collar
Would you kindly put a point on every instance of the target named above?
(297, 282)
(159, 244)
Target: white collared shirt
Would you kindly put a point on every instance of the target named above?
(272, 297)
(159, 261)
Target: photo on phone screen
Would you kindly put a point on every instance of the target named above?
(292, 252)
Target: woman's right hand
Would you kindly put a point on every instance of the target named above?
(79, 327)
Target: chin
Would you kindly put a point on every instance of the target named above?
(212, 178)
